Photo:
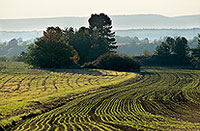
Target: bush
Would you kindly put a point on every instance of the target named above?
(196, 62)
(113, 61)
(171, 60)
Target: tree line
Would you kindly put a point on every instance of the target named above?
(95, 47)
(195, 53)
(71, 48)
(174, 52)
(133, 46)
(64, 48)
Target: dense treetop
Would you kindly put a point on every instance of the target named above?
(51, 51)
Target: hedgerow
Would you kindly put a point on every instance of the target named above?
(113, 61)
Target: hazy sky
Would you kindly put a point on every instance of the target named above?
(57, 8)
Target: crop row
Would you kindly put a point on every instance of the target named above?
(163, 100)
(11, 83)
(20, 92)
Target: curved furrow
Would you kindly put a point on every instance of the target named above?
(163, 100)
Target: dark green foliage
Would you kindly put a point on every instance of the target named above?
(196, 55)
(170, 42)
(173, 52)
(113, 61)
(181, 47)
(52, 51)
(171, 46)
(83, 42)
(103, 24)
(21, 57)
(60, 48)
(163, 50)
(94, 41)
(199, 41)
(196, 62)
(171, 60)
(100, 26)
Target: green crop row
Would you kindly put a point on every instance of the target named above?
(166, 99)
(23, 94)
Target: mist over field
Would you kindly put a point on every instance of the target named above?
(151, 34)
(120, 22)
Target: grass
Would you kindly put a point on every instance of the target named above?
(165, 99)
(26, 92)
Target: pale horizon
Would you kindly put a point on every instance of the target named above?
(22, 9)
(94, 13)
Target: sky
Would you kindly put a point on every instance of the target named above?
(12, 9)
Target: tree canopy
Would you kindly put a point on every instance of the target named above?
(61, 48)
(102, 24)
(173, 51)
(170, 46)
(81, 41)
(181, 47)
(163, 49)
(93, 41)
(52, 51)
(195, 52)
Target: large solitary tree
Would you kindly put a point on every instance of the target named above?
(94, 41)
(51, 51)
(100, 26)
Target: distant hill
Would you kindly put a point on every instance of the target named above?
(25, 35)
(155, 21)
(119, 22)
(151, 34)
(41, 23)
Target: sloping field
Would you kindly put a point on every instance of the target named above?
(26, 92)
(165, 99)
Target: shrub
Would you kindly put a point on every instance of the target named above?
(171, 60)
(196, 62)
(113, 61)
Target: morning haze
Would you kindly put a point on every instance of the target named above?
(11, 9)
